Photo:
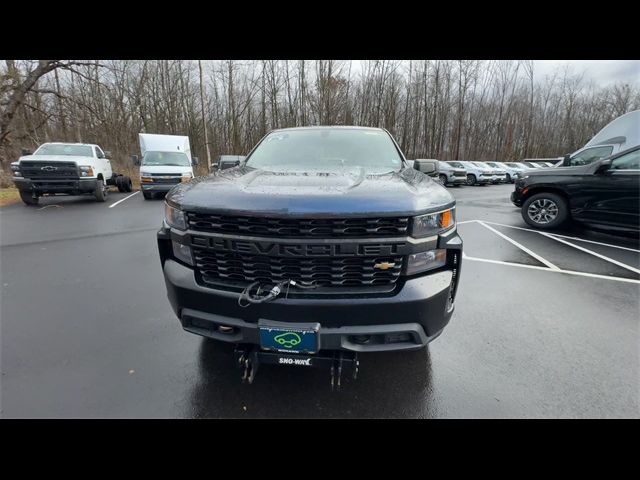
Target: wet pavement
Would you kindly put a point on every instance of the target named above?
(87, 331)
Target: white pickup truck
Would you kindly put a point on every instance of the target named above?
(68, 169)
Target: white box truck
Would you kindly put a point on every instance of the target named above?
(166, 161)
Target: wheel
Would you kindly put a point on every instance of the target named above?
(443, 180)
(509, 179)
(120, 184)
(471, 179)
(545, 210)
(28, 198)
(126, 182)
(147, 195)
(101, 191)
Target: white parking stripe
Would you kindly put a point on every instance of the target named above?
(120, 201)
(544, 269)
(595, 254)
(521, 247)
(557, 235)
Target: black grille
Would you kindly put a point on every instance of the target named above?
(291, 227)
(52, 170)
(215, 267)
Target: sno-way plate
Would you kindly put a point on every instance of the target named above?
(289, 337)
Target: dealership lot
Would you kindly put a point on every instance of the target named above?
(545, 326)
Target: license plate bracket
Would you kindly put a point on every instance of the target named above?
(289, 337)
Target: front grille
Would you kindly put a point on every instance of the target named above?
(164, 178)
(291, 227)
(214, 267)
(48, 170)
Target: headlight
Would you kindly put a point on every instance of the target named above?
(86, 171)
(433, 223)
(174, 217)
(15, 168)
(423, 261)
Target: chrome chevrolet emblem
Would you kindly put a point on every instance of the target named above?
(49, 168)
(384, 265)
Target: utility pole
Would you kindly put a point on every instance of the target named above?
(204, 123)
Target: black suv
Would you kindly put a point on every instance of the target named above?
(605, 193)
(324, 239)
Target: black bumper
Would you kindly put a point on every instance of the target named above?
(157, 187)
(72, 186)
(516, 198)
(405, 319)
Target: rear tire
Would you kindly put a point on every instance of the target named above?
(120, 184)
(28, 198)
(545, 211)
(126, 181)
(471, 179)
(101, 191)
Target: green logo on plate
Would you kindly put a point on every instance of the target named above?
(288, 339)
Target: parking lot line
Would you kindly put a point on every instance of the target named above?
(595, 254)
(521, 247)
(556, 235)
(545, 269)
(122, 200)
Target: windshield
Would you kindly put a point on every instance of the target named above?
(322, 148)
(456, 164)
(480, 164)
(62, 149)
(494, 164)
(176, 159)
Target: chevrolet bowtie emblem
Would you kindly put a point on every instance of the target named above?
(384, 265)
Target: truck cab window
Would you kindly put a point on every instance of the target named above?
(590, 155)
(630, 161)
(99, 153)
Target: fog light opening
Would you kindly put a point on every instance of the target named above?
(361, 339)
(225, 329)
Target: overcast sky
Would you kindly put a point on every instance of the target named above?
(603, 72)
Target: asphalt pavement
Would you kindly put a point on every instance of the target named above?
(545, 326)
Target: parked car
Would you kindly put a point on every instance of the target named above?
(452, 173)
(428, 166)
(323, 238)
(512, 172)
(604, 193)
(621, 134)
(477, 174)
(166, 161)
(68, 169)
(499, 175)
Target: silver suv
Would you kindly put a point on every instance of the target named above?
(452, 173)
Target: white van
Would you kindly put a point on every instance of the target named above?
(621, 134)
(166, 161)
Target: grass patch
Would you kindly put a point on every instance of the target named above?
(9, 196)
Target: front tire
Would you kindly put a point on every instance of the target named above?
(28, 198)
(147, 195)
(101, 191)
(443, 180)
(471, 179)
(545, 211)
(509, 179)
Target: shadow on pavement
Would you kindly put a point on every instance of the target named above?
(389, 385)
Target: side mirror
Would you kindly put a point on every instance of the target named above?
(135, 159)
(195, 161)
(107, 154)
(231, 164)
(566, 161)
(26, 151)
(603, 167)
(428, 167)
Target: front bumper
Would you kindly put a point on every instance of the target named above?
(406, 319)
(516, 198)
(157, 187)
(72, 186)
(457, 180)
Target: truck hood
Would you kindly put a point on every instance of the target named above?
(344, 192)
(58, 158)
(555, 171)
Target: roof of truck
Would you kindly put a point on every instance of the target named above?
(71, 143)
(320, 127)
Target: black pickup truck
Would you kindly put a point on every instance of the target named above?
(322, 243)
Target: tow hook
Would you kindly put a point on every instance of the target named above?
(249, 358)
